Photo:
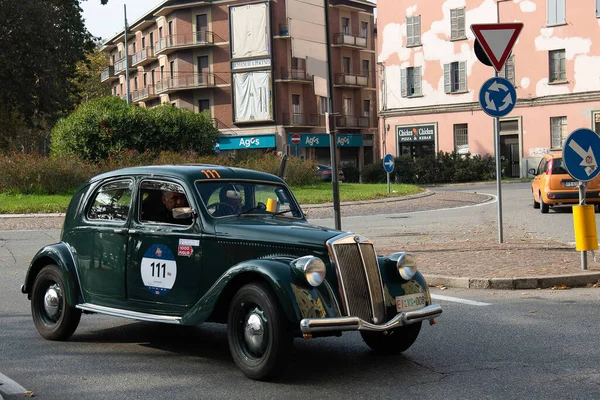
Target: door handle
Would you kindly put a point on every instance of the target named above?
(120, 231)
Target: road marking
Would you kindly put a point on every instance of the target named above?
(459, 300)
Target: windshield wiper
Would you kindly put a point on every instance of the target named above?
(248, 211)
(283, 212)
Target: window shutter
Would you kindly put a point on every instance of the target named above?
(453, 24)
(417, 79)
(510, 69)
(551, 12)
(447, 81)
(417, 29)
(462, 76)
(597, 8)
(461, 23)
(561, 12)
(403, 91)
(410, 31)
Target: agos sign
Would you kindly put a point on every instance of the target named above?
(416, 133)
(249, 142)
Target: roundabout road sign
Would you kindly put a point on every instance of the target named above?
(581, 152)
(388, 163)
(497, 97)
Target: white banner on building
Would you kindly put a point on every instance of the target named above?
(250, 31)
(252, 95)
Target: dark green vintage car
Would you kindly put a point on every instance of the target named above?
(195, 243)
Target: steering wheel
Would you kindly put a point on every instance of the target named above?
(217, 206)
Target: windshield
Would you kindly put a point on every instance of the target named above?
(227, 199)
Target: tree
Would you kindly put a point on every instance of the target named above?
(87, 77)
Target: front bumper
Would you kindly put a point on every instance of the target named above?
(338, 324)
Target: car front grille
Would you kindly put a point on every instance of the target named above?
(360, 281)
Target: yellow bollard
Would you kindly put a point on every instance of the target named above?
(584, 223)
(271, 205)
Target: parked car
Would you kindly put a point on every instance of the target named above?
(324, 172)
(190, 244)
(553, 186)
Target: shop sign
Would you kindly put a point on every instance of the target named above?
(420, 133)
(322, 140)
(261, 63)
(246, 142)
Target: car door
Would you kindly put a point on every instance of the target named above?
(537, 179)
(164, 255)
(100, 243)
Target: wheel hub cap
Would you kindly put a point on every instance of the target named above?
(52, 300)
(254, 332)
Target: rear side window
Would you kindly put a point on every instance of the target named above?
(112, 201)
(542, 167)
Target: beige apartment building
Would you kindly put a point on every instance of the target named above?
(234, 60)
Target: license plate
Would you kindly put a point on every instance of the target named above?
(570, 183)
(411, 302)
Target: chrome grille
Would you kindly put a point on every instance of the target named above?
(360, 280)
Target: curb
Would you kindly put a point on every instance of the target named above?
(359, 202)
(516, 283)
(31, 215)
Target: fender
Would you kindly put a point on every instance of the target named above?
(393, 283)
(297, 298)
(59, 254)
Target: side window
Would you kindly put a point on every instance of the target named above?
(111, 202)
(158, 199)
(542, 167)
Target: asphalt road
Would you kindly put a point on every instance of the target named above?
(487, 344)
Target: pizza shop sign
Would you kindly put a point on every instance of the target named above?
(419, 133)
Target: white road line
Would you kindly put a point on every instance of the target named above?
(459, 300)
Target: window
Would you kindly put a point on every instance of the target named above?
(364, 29)
(158, 199)
(162, 72)
(145, 80)
(597, 8)
(143, 42)
(201, 28)
(461, 138)
(410, 82)
(508, 70)
(133, 48)
(322, 105)
(348, 109)
(172, 69)
(413, 30)
(558, 131)
(346, 64)
(152, 40)
(296, 105)
(152, 77)
(365, 67)
(345, 26)
(112, 202)
(455, 77)
(558, 70)
(457, 24)
(555, 12)
(204, 105)
(366, 108)
(135, 83)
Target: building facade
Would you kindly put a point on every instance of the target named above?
(233, 59)
(429, 77)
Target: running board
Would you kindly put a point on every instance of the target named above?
(116, 312)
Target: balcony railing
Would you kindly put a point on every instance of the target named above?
(107, 74)
(350, 121)
(201, 38)
(343, 39)
(122, 64)
(186, 82)
(299, 119)
(351, 80)
(145, 93)
(295, 74)
(144, 56)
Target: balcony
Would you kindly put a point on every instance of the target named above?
(108, 74)
(121, 64)
(351, 80)
(350, 121)
(195, 81)
(143, 94)
(299, 119)
(347, 40)
(171, 43)
(296, 75)
(143, 57)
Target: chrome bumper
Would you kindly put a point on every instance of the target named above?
(313, 325)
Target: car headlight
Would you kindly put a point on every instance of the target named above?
(407, 266)
(313, 269)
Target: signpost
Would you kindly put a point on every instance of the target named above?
(388, 166)
(497, 95)
(296, 141)
(579, 155)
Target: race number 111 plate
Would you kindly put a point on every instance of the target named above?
(411, 302)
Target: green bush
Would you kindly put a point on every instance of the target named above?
(374, 173)
(351, 173)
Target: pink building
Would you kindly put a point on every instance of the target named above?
(429, 77)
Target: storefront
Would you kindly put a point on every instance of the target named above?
(316, 147)
(416, 140)
(250, 145)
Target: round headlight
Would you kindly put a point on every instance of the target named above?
(313, 269)
(407, 266)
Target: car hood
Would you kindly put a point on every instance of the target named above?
(274, 230)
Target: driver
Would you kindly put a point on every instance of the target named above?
(230, 201)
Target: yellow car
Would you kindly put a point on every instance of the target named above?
(553, 185)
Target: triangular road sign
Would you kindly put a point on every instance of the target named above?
(497, 40)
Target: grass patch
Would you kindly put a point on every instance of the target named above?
(322, 192)
(31, 203)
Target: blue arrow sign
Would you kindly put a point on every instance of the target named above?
(581, 151)
(388, 163)
(497, 97)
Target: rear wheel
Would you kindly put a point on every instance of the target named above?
(544, 208)
(535, 203)
(393, 341)
(597, 208)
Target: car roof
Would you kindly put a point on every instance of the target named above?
(193, 172)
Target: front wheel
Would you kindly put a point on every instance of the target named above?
(393, 341)
(53, 317)
(257, 330)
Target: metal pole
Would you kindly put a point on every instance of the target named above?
(388, 182)
(331, 128)
(498, 173)
(126, 58)
(582, 188)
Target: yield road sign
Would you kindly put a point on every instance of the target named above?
(580, 153)
(389, 163)
(296, 139)
(497, 40)
(497, 97)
